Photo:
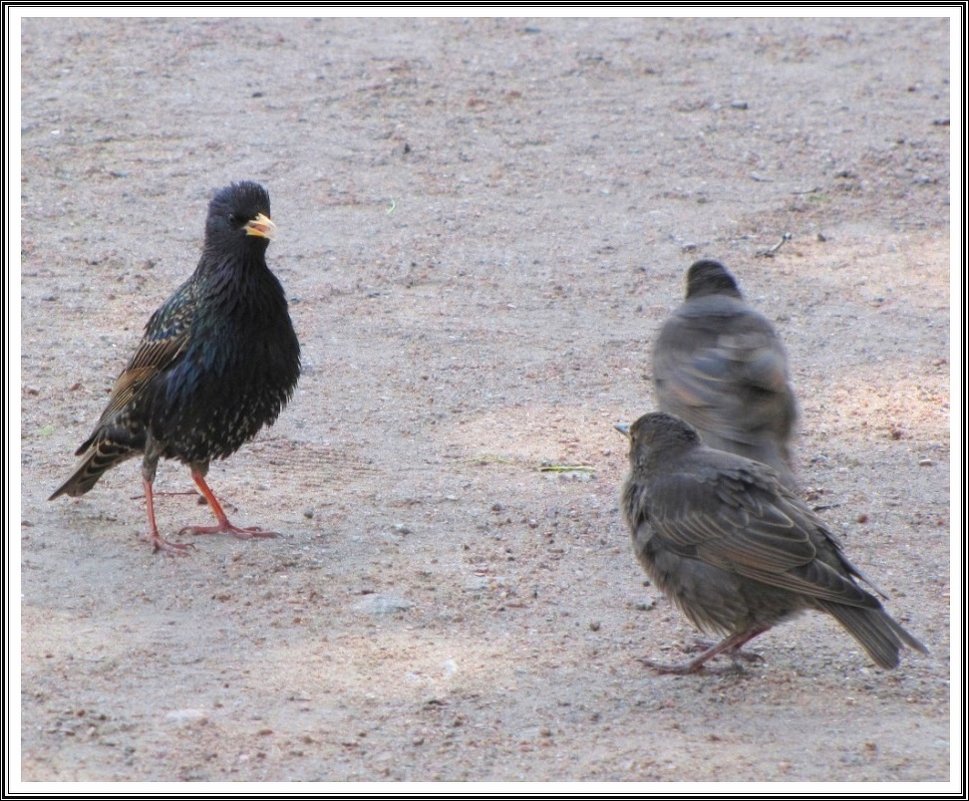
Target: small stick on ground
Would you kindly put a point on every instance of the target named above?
(769, 253)
(566, 468)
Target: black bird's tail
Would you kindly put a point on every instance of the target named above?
(100, 455)
(877, 632)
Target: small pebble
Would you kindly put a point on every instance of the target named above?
(382, 605)
(186, 716)
(926, 463)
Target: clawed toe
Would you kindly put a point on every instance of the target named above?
(168, 548)
(227, 528)
(690, 668)
(745, 656)
(678, 670)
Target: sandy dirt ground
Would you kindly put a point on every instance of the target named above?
(482, 224)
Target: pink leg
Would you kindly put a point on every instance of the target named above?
(224, 526)
(159, 543)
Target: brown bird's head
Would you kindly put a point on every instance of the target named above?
(657, 435)
(239, 219)
(708, 277)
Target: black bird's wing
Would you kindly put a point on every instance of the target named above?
(167, 335)
(119, 433)
(742, 520)
(154, 355)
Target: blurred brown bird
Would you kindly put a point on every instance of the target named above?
(735, 549)
(719, 365)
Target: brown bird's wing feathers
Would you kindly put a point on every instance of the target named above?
(115, 437)
(743, 521)
(151, 358)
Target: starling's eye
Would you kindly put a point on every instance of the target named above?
(236, 221)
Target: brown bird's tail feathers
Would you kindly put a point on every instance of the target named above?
(877, 632)
(99, 455)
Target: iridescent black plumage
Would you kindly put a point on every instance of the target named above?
(218, 361)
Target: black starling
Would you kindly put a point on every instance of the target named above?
(217, 362)
(735, 549)
(719, 365)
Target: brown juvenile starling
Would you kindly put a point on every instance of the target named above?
(218, 361)
(735, 549)
(719, 365)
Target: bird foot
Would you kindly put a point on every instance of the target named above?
(745, 656)
(159, 543)
(689, 668)
(683, 669)
(227, 528)
(733, 653)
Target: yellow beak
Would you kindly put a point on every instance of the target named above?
(261, 226)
